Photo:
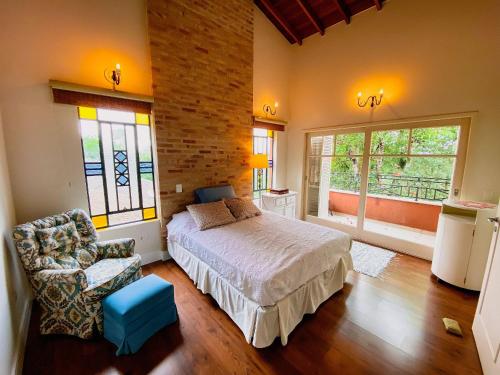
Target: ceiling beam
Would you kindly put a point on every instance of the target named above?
(278, 18)
(378, 4)
(312, 16)
(344, 10)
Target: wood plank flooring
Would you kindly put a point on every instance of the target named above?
(373, 326)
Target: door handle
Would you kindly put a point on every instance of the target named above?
(493, 220)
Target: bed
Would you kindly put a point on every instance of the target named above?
(265, 272)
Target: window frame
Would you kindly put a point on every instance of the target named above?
(144, 211)
(463, 123)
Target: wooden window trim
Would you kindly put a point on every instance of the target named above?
(269, 124)
(87, 96)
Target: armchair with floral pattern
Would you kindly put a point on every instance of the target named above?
(71, 272)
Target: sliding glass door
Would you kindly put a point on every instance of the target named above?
(335, 162)
(388, 180)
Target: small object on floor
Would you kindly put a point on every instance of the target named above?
(452, 327)
(136, 312)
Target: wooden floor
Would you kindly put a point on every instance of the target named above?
(373, 326)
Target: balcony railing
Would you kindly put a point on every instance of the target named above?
(412, 187)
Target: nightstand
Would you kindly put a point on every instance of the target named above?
(283, 204)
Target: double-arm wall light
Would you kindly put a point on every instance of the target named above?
(373, 99)
(113, 76)
(268, 110)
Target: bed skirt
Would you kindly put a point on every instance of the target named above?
(262, 324)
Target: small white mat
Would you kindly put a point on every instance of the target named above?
(370, 260)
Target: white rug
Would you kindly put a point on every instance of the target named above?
(370, 260)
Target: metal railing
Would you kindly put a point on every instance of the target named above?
(411, 187)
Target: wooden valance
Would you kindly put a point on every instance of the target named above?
(269, 124)
(87, 96)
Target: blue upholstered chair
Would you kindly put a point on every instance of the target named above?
(71, 272)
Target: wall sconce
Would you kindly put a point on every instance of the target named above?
(114, 76)
(372, 99)
(268, 109)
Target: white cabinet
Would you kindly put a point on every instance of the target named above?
(462, 244)
(283, 204)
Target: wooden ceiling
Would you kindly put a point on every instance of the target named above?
(298, 19)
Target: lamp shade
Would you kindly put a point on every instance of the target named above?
(259, 161)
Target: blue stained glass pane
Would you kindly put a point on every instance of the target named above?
(120, 156)
(146, 167)
(122, 180)
(121, 168)
(93, 165)
(93, 169)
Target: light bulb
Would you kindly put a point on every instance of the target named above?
(276, 104)
(118, 67)
(359, 94)
(381, 92)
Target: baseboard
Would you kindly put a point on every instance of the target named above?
(153, 256)
(22, 336)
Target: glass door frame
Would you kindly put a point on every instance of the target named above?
(463, 123)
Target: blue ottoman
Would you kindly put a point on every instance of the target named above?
(135, 313)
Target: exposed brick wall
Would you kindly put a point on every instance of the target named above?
(202, 58)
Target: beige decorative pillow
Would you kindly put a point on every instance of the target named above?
(209, 215)
(242, 208)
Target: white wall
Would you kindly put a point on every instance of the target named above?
(431, 57)
(70, 41)
(272, 64)
(14, 291)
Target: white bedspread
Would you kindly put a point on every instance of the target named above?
(266, 257)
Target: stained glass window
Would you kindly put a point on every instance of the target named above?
(263, 144)
(118, 165)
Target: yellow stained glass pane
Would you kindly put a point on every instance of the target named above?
(100, 221)
(142, 119)
(149, 213)
(87, 113)
(270, 133)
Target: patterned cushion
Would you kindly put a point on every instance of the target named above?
(64, 261)
(209, 215)
(86, 255)
(51, 221)
(86, 229)
(107, 275)
(242, 208)
(62, 238)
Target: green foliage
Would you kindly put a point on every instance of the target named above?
(144, 156)
(427, 177)
(390, 142)
(91, 149)
(435, 140)
(350, 144)
(147, 176)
